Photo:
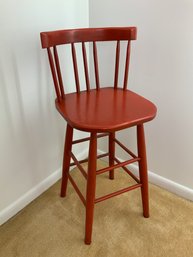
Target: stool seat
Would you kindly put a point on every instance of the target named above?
(106, 109)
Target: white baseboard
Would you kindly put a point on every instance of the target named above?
(32, 194)
(28, 197)
(170, 185)
(165, 183)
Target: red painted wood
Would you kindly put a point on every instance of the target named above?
(128, 171)
(85, 66)
(117, 64)
(125, 148)
(58, 71)
(111, 153)
(77, 189)
(143, 169)
(91, 184)
(127, 66)
(79, 166)
(66, 159)
(54, 76)
(121, 191)
(105, 109)
(54, 38)
(60, 37)
(86, 160)
(96, 65)
(115, 166)
(75, 68)
(88, 138)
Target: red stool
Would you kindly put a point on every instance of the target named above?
(101, 112)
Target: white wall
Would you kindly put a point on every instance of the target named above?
(31, 130)
(162, 71)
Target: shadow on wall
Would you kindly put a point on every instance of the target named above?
(30, 130)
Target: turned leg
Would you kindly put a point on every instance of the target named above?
(66, 159)
(143, 169)
(91, 185)
(111, 153)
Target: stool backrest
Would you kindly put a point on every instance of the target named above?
(52, 39)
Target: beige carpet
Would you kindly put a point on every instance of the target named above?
(54, 227)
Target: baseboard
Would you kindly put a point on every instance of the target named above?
(32, 194)
(28, 197)
(165, 183)
(168, 184)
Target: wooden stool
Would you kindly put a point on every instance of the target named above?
(101, 112)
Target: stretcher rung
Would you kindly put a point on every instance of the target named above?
(105, 197)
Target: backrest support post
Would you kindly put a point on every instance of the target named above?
(54, 76)
(58, 71)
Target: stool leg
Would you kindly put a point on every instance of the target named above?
(66, 159)
(143, 169)
(91, 185)
(111, 153)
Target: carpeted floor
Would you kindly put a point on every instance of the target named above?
(54, 227)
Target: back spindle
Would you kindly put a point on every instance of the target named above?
(96, 65)
(117, 64)
(85, 66)
(126, 66)
(54, 76)
(75, 68)
(58, 71)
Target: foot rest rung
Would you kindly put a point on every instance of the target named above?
(88, 138)
(121, 164)
(125, 148)
(79, 165)
(86, 159)
(77, 189)
(128, 171)
(124, 190)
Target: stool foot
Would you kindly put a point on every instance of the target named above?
(146, 215)
(87, 242)
(111, 175)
